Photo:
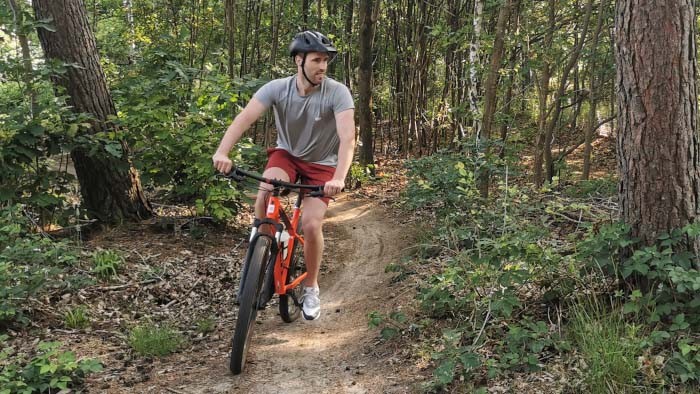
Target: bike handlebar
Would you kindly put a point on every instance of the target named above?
(237, 174)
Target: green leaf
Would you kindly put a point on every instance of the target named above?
(445, 372)
(389, 332)
(114, 150)
(470, 360)
(630, 307)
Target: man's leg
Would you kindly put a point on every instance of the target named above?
(265, 188)
(312, 225)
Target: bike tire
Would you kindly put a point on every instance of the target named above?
(248, 303)
(289, 310)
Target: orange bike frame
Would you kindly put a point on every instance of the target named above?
(274, 213)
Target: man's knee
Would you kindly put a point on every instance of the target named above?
(312, 226)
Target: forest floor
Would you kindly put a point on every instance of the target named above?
(183, 275)
(185, 278)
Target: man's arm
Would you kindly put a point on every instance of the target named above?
(345, 124)
(240, 124)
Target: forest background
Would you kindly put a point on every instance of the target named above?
(502, 112)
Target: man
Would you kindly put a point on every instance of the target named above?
(315, 123)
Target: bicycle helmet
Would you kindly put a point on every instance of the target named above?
(312, 41)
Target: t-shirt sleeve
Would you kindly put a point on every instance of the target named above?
(267, 94)
(343, 99)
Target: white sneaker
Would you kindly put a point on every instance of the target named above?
(311, 303)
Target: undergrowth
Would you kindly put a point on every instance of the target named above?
(503, 277)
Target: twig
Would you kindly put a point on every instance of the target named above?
(567, 218)
(483, 326)
(124, 286)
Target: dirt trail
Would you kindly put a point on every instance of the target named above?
(334, 354)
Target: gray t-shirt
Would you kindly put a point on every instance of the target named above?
(306, 124)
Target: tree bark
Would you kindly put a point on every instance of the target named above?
(347, 65)
(543, 88)
(110, 186)
(367, 26)
(490, 90)
(305, 14)
(474, 67)
(593, 96)
(559, 94)
(657, 145)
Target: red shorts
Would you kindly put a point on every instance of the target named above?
(310, 173)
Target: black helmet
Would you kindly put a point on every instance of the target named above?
(311, 41)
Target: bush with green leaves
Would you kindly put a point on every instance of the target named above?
(29, 264)
(661, 292)
(153, 340)
(495, 262)
(49, 370)
(34, 135)
(175, 129)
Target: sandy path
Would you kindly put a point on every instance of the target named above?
(330, 355)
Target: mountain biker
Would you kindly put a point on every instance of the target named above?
(314, 116)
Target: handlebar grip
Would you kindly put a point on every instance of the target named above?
(317, 193)
(235, 175)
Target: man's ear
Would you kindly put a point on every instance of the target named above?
(298, 59)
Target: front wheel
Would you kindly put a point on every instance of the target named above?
(248, 302)
(289, 309)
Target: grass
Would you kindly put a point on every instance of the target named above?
(76, 318)
(106, 263)
(608, 345)
(152, 340)
(205, 325)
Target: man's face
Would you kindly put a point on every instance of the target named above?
(316, 65)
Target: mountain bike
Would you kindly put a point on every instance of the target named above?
(274, 262)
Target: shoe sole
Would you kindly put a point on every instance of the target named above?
(309, 317)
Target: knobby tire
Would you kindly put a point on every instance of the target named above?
(289, 310)
(248, 303)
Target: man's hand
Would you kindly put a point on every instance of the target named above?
(333, 187)
(222, 163)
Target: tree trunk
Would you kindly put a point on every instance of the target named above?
(348, 37)
(543, 87)
(128, 9)
(367, 25)
(28, 76)
(657, 113)
(593, 96)
(490, 90)
(556, 103)
(305, 14)
(230, 28)
(474, 67)
(109, 185)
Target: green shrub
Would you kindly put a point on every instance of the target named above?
(358, 175)
(50, 370)
(598, 187)
(151, 340)
(174, 131)
(662, 285)
(29, 265)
